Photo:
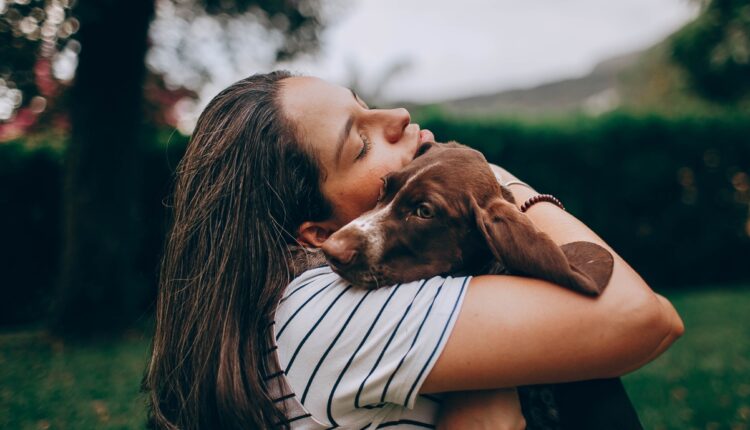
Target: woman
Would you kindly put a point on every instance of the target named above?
(277, 160)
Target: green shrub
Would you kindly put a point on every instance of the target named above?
(31, 221)
(671, 195)
(29, 230)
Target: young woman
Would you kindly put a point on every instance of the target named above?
(278, 161)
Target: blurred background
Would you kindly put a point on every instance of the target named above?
(634, 113)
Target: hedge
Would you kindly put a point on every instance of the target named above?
(30, 221)
(671, 195)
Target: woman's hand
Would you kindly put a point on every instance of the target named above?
(476, 410)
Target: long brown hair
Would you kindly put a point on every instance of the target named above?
(242, 189)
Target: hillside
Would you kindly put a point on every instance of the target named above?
(596, 91)
(641, 81)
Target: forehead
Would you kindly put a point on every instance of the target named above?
(301, 93)
(318, 110)
(316, 107)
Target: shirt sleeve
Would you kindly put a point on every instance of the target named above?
(349, 352)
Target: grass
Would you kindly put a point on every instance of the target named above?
(702, 382)
(48, 384)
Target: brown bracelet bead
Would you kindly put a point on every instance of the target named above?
(541, 198)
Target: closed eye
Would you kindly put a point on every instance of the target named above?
(366, 145)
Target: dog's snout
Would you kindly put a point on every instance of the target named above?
(339, 251)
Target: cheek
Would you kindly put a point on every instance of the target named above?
(367, 183)
(367, 192)
(355, 196)
(357, 192)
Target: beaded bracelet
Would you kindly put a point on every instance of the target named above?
(541, 198)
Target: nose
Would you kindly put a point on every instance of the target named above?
(340, 252)
(396, 122)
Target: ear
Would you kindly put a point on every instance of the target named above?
(591, 259)
(313, 234)
(515, 241)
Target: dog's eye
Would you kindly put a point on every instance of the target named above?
(424, 211)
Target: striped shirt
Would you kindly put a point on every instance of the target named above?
(355, 358)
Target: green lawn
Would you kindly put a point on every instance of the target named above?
(703, 382)
(45, 383)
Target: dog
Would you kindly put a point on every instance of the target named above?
(446, 213)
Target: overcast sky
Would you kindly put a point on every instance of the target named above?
(459, 48)
(450, 49)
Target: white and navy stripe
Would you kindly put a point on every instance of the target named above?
(355, 358)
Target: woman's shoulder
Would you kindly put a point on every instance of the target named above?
(347, 349)
(318, 289)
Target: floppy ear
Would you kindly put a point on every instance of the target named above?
(581, 266)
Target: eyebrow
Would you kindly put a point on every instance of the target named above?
(345, 132)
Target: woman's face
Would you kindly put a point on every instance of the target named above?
(355, 145)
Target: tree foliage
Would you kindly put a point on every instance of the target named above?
(299, 20)
(35, 42)
(714, 50)
(39, 49)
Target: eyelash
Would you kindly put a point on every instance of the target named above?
(366, 145)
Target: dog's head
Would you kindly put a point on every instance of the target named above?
(421, 219)
(444, 213)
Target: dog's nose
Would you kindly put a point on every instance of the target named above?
(339, 251)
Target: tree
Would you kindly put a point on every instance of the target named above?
(35, 38)
(714, 50)
(99, 289)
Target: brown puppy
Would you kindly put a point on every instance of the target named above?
(445, 213)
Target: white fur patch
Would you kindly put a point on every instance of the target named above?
(370, 228)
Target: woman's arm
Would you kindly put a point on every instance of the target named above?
(678, 328)
(498, 409)
(518, 331)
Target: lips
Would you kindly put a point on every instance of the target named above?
(423, 136)
(426, 136)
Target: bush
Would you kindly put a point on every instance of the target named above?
(672, 196)
(29, 230)
(31, 185)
